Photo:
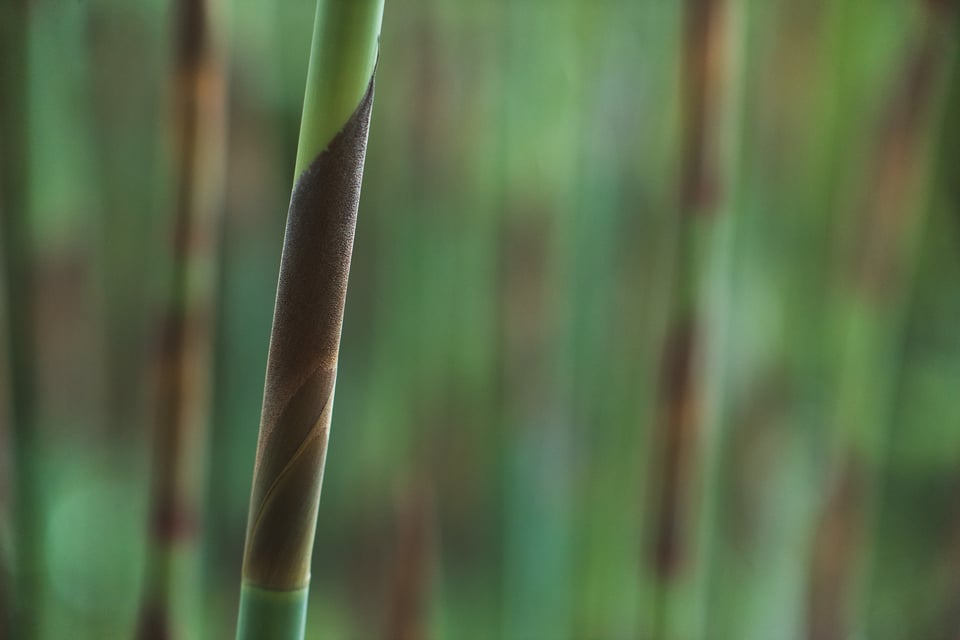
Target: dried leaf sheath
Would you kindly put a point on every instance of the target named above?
(302, 363)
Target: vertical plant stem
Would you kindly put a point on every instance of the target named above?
(124, 99)
(407, 617)
(304, 344)
(875, 288)
(172, 599)
(685, 438)
(540, 451)
(17, 253)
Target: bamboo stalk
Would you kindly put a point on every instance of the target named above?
(876, 284)
(172, 600)
(407, 617)
(302, 362)
(124, 105)
(17, 255)
(537, 376)
(684, 438)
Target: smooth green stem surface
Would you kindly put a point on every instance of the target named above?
(346, 39)
(271, 615)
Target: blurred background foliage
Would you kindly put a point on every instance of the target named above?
(497, 466)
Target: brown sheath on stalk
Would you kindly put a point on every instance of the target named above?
(302, 363)
(184, 361)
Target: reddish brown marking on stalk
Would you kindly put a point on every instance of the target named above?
(431, 82)
(181, 399)
(526, 253)
(184, 354)
(676, 438)
(889, 206)
(702, 82)
(171, 523)
(407, 615)
(838, 539)
(63, 286)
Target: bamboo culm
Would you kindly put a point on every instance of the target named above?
(305, 339)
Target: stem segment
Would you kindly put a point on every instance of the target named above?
(304, 344)
(17, 252)
(172, 599)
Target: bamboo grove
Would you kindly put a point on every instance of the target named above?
(650, 332)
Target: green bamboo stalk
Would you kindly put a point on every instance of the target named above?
(125, 104)
(302, 362)
(685, 440)
(17, 255)
(172, 598)
(537, 372)
(609, 266)
(875, 287)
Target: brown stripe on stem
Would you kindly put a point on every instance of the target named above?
(302, 362)
(185, 351)
(182, 413)
(889, 209)
(526, 237)
(407, 614)
(839, 535)
(702, 84)
(675, 437)
(678, 430)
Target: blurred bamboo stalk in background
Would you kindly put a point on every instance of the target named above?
(407, 615)
(541, 74)
(684, 441)
(305, 340)
(19, 308)
(173, 597)
(131, 180)
(874, 286)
